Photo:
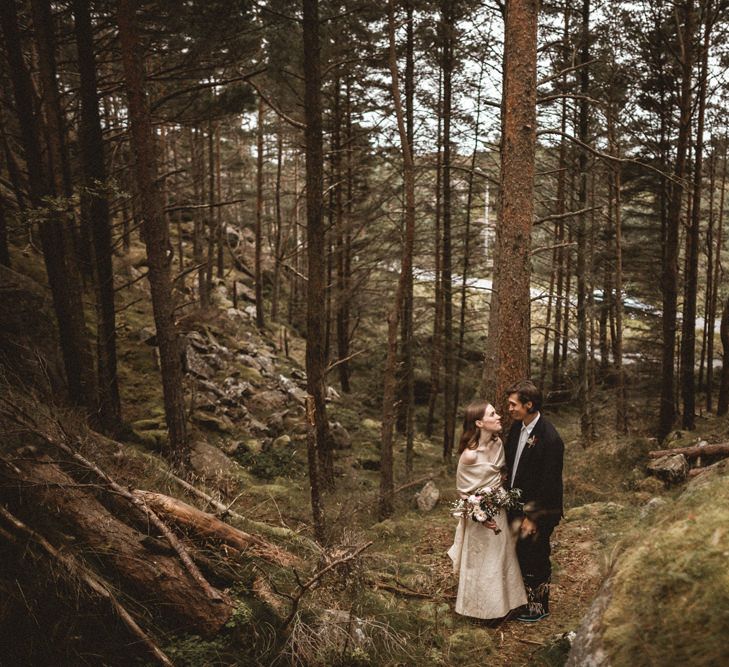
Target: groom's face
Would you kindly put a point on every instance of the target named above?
(518, 410)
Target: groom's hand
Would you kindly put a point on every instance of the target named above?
(528, 528)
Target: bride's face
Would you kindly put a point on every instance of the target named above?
(490, 420)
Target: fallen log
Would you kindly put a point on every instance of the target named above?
(95, 586)
(210, 526)
(151, 578)
(225, 511)
(693, 452)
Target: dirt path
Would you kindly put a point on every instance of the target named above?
(576, 578)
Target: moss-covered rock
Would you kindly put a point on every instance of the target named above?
(667, 599)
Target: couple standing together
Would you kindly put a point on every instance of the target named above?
(503, 564)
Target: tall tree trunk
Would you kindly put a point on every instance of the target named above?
(582, 297)
(615, 174)
(389, 385)
(517, 201)
(278, 238)
(220, 236)
(708, 328)
(715, 283)
(259, 216)
(316, 255)
(407, 394)
(669, 282)
(691, 282)
(447, 22)
(197, 172)
(342, 327)
(723, 401)
(154, 232)
(437, 346)
(212, 213)
(55, 230)
(467, 249)
(92, 157)
(548, 318)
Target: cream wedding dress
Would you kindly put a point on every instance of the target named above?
(489, 578)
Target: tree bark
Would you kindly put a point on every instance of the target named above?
(447, 26)
(583, 381)
(154, 233)
(723, 401)
(513, 236)
(437, 344)
(715, 291)
(316, 255)
(691, 282)
(55, 226)
(669, 281)
(259, 216)
(389, 384)
(92, 158)
(121, 549)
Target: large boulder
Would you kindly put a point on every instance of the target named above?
(666, 599)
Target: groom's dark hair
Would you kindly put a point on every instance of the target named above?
(527, 391)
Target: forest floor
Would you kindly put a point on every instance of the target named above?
(402, 588)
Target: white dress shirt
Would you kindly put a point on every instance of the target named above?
(526, 431)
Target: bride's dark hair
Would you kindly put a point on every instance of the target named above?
(469, 438)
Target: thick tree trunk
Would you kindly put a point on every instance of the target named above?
(154, 233)
(517, 202)
(92, 157)
(55, 228)
(316, 255)
(390, 385)
(669, 282)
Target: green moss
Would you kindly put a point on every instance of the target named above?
(469, 646)
(670, 602)
(248, 374)
(192, 651)
(153, 439)
(148, 425)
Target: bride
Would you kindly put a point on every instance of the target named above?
(484, 554)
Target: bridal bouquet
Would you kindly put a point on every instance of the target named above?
(484, 504)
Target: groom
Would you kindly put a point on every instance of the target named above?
(534, 453)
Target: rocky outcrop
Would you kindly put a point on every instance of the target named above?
(664, 598)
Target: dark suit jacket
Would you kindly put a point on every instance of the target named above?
(539, 474)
